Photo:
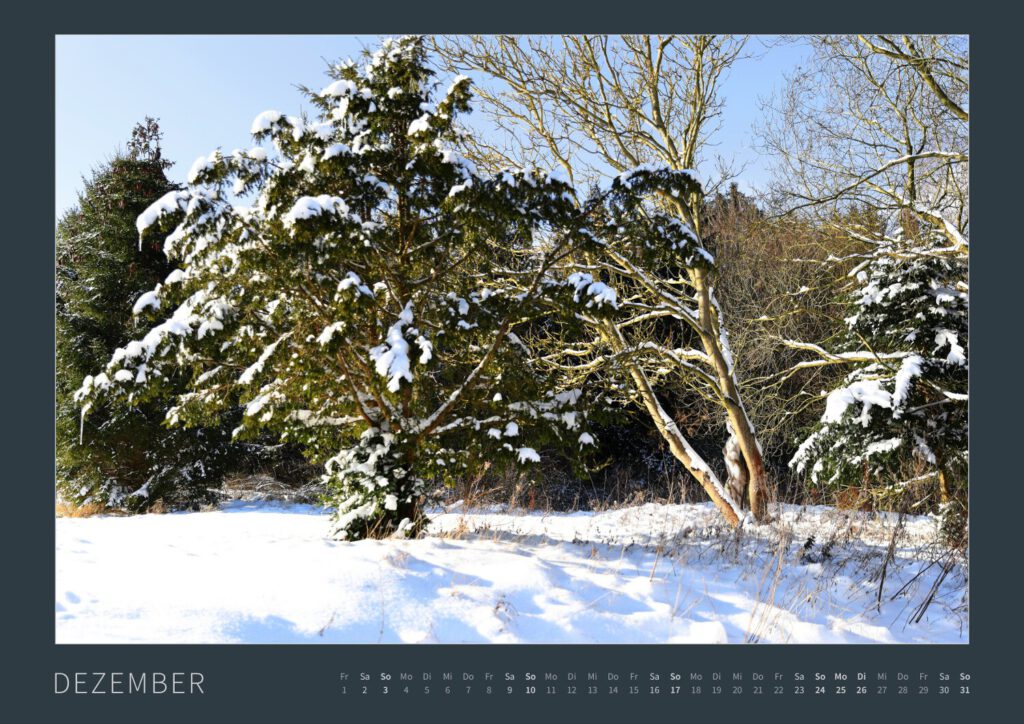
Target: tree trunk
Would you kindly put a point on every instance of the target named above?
(715, 346)
(678, 444)
(944, 494)
(739, 478)
(411, 511)
(742, 427)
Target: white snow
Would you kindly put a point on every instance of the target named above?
(867, 392)
(329, 331)
(149, 299)
(528, 455)
(168, 203)
(201, 164)
(452, 157)
(882, 446)
(391, 359)
(420, 125)
(266, 573)
(459, 188)
(426, 349)
(599, 292)
(909, 369)
(265, 121)
(335, 149)
(250, 372)
(456, 82)
(175, 276)
(306, 207)
(956, 354)
(352, 281)
(339, 88)
(323, 131)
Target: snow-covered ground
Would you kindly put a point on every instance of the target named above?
(266, 573)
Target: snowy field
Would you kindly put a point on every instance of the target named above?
(266, 573)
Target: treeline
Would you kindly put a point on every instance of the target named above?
(409, 312)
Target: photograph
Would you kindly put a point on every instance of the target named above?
(500, 339)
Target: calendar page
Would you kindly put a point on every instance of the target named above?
(555, 370)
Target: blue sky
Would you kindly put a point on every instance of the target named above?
(206, 90)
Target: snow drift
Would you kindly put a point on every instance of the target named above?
(266, 573)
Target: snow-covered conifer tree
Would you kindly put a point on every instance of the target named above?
(886, 139)
(906, 398)
(119, 457)
(365, 304)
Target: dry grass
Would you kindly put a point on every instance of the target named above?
(262, 487)
(65, 509)
(457, 533)
(875, 558)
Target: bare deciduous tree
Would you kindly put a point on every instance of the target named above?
(876, 127)
(597, 106)
(877, 123)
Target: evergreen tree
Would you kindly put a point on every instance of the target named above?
(872, 125)
(906, 398)
(366, 304)
(118, 457)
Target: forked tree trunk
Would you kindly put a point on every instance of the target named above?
(742, 427)
(713, 340)
(670, 432)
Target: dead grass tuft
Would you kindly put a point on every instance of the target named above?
(64, 509)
